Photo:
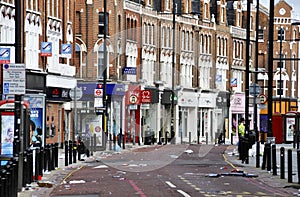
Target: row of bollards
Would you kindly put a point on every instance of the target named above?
(270, 162)
(36, 160)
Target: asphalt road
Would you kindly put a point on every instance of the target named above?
(170, 170)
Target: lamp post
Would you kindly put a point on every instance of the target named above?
(247, 78)
(104, 116)
(173, 140)
(270, 66)
(255, 105)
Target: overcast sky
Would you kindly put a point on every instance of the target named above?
(294, 3)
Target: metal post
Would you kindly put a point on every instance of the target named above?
(255, 79)
(282, 162)
(247, 78)
(270, 67)
(19, 58)
(280, 69)
(274, 162)
(173, 77)
(105, 115)
(66, 153)
(290, 166)
(268, 145)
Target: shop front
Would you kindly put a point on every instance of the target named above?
(237, 112)
(187, 104)
(207, 117)
(132, 114)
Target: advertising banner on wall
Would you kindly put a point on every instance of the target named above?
(37, 114)
(7, 133)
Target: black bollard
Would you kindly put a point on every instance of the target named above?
(42, 161)
(9, 179)
(53, 156)
(282, 162)
(4, 192)
(30, 166)
(50, 157)
(70, 151)
(268, 155)
(37, 164)
(74, 151)
(25, 169)
(298, 165)
(66, 153)
(274, 162)
(56, 154)
(290, 166)
(263, 166)
(46, 157)
(14, 178)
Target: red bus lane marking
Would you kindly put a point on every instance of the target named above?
(137, 189)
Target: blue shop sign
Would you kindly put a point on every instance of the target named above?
(88, 90)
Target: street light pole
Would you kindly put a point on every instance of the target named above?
(255, 105)
(270, 67)
(173, 76)
(247, 76)
(104, 115)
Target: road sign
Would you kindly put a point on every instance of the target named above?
(98, 92)
(262, 99)
(254, 89)
(14, 78)
(78, 93)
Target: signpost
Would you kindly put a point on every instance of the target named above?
(14, 78)
(75, 94)
(254, 89)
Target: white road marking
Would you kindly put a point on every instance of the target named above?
(101, 166)
(171, 184)
(183, 193)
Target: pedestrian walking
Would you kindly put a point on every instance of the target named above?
(241, 143)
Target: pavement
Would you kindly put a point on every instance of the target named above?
(58, 176)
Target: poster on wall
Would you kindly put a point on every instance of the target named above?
(7, 133)
(290, 128)
(93, 126)
(36, 106)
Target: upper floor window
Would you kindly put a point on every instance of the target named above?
(167, 4)
(260, 34)
(281, 34)
(101, 27)
(78, 28)
(281, 63)
(32, 5)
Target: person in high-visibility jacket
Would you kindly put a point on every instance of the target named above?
(241, 128)
(241, 133)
